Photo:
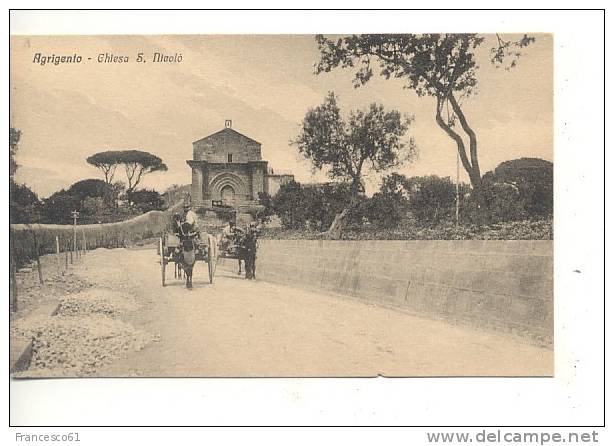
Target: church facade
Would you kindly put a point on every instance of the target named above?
(227, 167)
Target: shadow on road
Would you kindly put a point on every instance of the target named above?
(178, 283)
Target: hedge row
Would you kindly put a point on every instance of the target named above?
(25, 240)
(519, 230)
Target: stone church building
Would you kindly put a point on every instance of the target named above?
(227, 167)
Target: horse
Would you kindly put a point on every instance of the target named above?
(187, 257)
(239, 260)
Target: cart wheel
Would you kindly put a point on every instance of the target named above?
(215, 251)
(210, 263)
(162, 261)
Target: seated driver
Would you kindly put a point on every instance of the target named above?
(229, 234)
(229, 230)
(188, 220)
(176, 224)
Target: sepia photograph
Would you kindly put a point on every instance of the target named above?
(281, 205)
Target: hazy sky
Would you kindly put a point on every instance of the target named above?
(264, 83)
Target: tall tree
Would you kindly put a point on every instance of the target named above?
(439, 65)
(14, 136)
(370, 139)
(136, 164)
(24, 205)
(106, 162)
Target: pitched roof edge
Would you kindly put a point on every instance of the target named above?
(227, 130)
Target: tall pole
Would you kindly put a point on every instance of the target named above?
(457, 190)
(57, 254)
(74, 215)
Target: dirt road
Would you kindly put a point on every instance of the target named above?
(253, 328)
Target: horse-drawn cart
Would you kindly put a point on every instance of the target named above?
(241, 245)
(185, 251)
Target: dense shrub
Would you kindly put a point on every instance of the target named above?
(432, 198)
(398, 186)
(98, 202)
(314, 206)
(265, 200)
(516, 190)
(92, 188)
(145, 200)
(94, 199)
(325, 201)
(383, 211)
(504, 202)
(519, 189)
(92, 207)
(14, 137)
(289, 205)
(98, 210)
(58, 207)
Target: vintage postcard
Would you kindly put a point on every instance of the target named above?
(281, 205)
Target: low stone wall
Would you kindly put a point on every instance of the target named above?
(506, 285)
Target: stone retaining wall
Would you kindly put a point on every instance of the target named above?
(506, 285)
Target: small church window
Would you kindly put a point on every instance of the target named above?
(230, 157)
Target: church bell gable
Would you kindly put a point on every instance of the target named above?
(215, 148)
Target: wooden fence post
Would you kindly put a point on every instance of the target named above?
(13, 271)
(58, 259)
(38, 260)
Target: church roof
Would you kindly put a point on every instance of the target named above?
(227, 131)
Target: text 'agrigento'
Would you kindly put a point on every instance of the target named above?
(106, 58)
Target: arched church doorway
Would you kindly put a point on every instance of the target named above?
(228, 195)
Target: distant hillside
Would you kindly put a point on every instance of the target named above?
(176, 193)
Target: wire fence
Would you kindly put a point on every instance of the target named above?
(68, 243)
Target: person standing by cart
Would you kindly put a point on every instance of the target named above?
(249, 248)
